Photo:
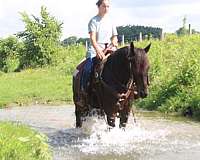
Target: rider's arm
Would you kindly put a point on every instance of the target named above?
(98, 49)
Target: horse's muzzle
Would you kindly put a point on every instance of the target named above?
(143, 94)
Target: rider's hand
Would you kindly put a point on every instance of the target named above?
(100, 54)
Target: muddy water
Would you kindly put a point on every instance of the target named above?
(152, 137)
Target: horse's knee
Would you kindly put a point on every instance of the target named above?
(111, 121)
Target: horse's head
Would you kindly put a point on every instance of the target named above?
(139, 68)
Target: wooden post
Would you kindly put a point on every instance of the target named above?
(122, 40)
(162, 35)
(190, 29)
(140, 37)
(86, 44)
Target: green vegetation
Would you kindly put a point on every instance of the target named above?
(18, 142)
(49, 85)
(175, 76)
(10, 48)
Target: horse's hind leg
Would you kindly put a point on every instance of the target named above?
(123, 119)
(78, 117)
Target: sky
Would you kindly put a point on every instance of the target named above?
(75, 14)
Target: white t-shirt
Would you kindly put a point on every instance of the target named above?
(104, 29)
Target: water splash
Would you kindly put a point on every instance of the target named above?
(155, 138)
(101, 140)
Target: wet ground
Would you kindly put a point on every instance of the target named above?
(152, 137)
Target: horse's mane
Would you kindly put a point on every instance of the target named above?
(122, 54)
(119, 53)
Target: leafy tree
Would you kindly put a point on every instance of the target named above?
(69, 41)
(83, 40)
(41, 38)
(132, 32)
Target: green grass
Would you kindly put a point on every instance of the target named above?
(35, 86)
(18, 142)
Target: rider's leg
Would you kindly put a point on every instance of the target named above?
(86, 74)
(84, 83)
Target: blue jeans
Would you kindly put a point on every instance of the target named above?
(86, 74)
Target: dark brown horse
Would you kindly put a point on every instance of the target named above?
(115, 83)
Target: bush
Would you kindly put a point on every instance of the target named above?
(10, 49)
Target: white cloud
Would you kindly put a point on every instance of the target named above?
(168, 16)
(75, 14)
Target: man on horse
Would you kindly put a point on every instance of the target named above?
(103, 36)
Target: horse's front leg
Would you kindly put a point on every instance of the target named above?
(111, 121)
(124, 114)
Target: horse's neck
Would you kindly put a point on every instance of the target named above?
(119, 66)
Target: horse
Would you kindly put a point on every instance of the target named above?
(115, 83)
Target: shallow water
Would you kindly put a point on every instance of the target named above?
(153, 137)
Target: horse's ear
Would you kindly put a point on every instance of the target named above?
(147, 48)
(132, 48)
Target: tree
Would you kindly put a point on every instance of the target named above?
(132, 32)
(69, 41)
(183, 31)
(41, 38)
(83, 40)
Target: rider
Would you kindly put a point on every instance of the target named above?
(102, 32)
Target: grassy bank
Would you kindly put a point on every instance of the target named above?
(35, 86)
(18, 142)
